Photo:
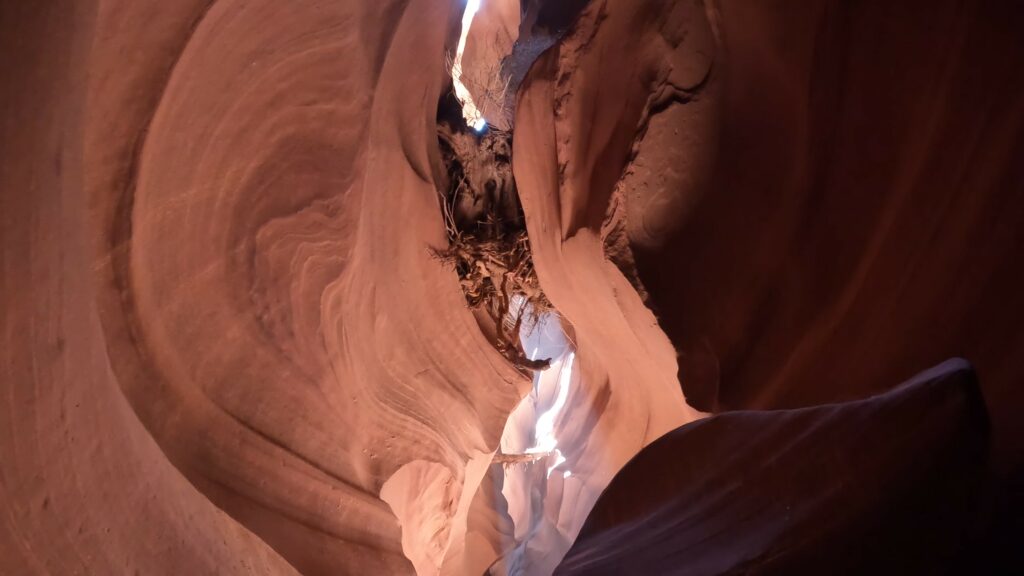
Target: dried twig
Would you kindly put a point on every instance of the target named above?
(492, 273)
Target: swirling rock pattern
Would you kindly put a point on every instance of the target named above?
(228, 349)
(260, 199)
(256, 184)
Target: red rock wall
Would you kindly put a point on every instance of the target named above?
(865, 214)
(85, 489)
(219, 293)
(224, 333)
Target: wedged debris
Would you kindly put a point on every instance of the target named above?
(488, 246)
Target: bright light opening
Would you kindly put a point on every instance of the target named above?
(470, 112)
(559, 459)
(545, 429)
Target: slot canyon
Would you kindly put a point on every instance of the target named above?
(511, 287)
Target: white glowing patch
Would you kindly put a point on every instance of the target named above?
(544, 431)
(559, 459)
(567, 473)
(470, 112)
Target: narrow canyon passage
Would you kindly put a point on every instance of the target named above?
(511, 287)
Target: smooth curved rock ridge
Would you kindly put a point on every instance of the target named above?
(261, 209)
(847, 488)
(85, 488)
(563, 156)
(563, 177)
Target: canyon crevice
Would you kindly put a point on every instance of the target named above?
(230, 347)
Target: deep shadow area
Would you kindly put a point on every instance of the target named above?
(865, 214)
(836, 489)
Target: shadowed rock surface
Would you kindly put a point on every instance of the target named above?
(851, 487)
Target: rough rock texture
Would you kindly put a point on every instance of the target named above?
(495, 30)
(843, 488)
(565, 157)
(853, 214)
(564, 160)
(864, 213)
(864, 207)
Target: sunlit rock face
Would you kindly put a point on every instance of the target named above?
(228, 346)
(249, 348)
(262, 335)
